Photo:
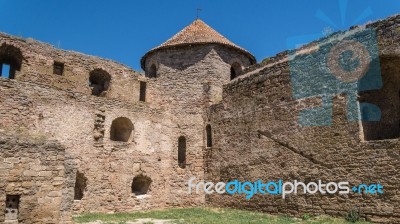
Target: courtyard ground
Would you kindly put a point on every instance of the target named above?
(201, 215)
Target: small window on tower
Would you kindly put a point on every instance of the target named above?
(58, 68)
(236, 69)
(152, 72)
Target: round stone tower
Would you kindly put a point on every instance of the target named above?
(185, 76)
(192, 45)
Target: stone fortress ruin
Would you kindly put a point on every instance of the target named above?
(80, 133)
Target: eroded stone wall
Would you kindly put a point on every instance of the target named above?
(63, 108)
(256, 135)
(37, 66)
(253, 123)
(32, 175)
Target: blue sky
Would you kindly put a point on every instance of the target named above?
(125, 30)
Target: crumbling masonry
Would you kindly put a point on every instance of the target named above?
(85, 134)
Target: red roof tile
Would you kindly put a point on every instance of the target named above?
(197, 32)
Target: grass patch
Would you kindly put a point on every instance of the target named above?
(205, 215)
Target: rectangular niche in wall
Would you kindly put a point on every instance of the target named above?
(58, 68)
(12, 205)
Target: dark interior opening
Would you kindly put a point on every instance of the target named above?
(140, 184)
(80, 186)
(182, 152)
(121, 129)
(236, 69)
(99, 82)
(10, 61)
(142, 96)
(209, 135)
(58, 68)
(152, 73)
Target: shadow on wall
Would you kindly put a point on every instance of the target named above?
(387, 99)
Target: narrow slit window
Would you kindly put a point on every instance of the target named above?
(182, 152)
(143, 87)
(209, 135)
(80, 186)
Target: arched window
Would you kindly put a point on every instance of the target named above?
(121, 129)
(10, 61)
(236, 69)
(209, 135)
(182, 152)
(152, 73)
(140, 184)
(99, 82)
(80, 186)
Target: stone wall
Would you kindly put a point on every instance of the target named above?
(121, 154)
(108, 174)
(37, 66)
(109, 166)
(32, 177)
(256, 135)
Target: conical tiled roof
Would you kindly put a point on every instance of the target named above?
(197, 32)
